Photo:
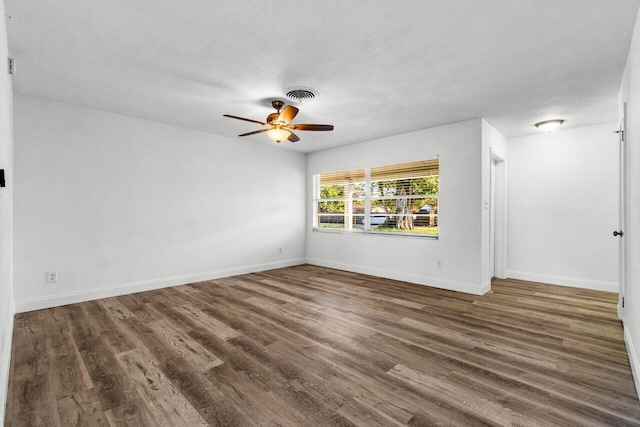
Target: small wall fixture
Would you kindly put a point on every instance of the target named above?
(549, 125)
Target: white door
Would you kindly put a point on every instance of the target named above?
(622, 213)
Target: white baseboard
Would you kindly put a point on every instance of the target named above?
(5, 362)
(56, 300)
(486, 287)
(574, 282)
(633, 359)
(469, 288)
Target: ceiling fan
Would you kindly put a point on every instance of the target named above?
(279, 124)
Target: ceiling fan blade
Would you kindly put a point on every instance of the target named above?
(288, 114)
(242, 118)
(293, 137)
(254, 132)
(311, 127)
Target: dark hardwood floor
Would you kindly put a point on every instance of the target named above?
(306, 346)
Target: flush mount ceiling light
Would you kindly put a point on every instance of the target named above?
(549, 125)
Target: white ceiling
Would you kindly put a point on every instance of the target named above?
(381, 67)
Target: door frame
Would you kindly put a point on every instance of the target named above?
(498, 234)
(623, 194)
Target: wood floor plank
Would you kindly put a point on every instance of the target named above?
(135, 303)
(67, 371)
(82, 408)
(30, 352)
(102, 324)
(207, 400)
(169, 407)
(35, 404)
(189, 350)
(308, 345)
(99, 359)
(462, 397)
(117, 396)
(204, 320)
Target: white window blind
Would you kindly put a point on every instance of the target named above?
(397, 199)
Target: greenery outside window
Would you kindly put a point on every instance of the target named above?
(396, 199)
(340, 199)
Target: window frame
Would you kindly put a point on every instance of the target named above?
(346, 200)
(368, 198)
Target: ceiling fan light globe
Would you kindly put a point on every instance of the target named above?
(278, 134)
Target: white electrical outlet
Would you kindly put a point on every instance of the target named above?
(439, 264)
(52, 276)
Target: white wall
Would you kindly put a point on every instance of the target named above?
(630, 93)
(117, 204)
(6, 217)
(563, 207)
(413, 259)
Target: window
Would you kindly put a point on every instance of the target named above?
(396, 199)
(340, 199)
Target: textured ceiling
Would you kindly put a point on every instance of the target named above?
(381, 68)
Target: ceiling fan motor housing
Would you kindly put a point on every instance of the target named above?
(272, 117)
(277, 104)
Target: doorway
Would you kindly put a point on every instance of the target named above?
(497, 218)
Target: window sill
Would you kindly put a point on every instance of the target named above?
(378, 233)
